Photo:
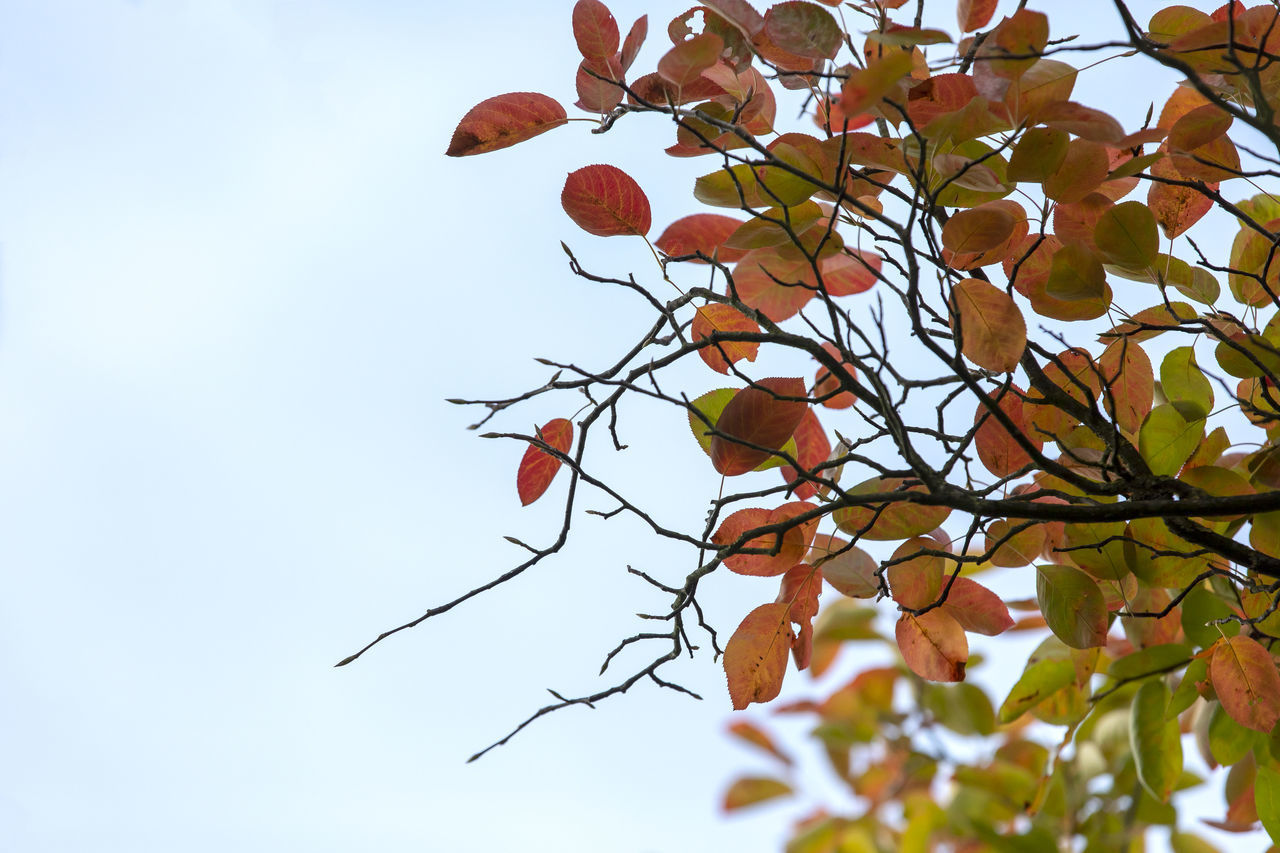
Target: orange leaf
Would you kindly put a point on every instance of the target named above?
(990, 326)
(978, 229)
(755, 416)
(594, 94)
(751, 790)
(974, 14)
(851, 271)
(635, 38)
(999, 452)
(595, 31)
(977, 608)
(606, 201)
(538, 468)
(756, 736)
(1245, 678)
(700, 232)
(1176, 208)
(1128, 384)
(790, 545)
(933, 645)
(916, 581)
(503, 121)
(755, 658)
(716, 317)
(801, 586)
(825, 382)
(775, 286)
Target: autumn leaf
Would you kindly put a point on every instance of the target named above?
(933, 645)
(755, 658)
(606, 201)
(715, 317)
(992, 331)
(538, 468)
(503, 121)
(756, 422)
(977, 608)
(1244, 675)
(700, 232)
(595, 31)
(753, 790)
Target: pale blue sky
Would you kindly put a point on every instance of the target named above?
(239, 277)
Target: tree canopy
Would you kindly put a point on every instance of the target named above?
(1035, 401)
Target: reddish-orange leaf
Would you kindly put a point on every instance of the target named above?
(791, 549)
(800, 588)
(538, 468)
(916, 581)
(751, 790)
(1084, 122)
(974, 14)
(606, 201)
(716, 317)
(992, 331)
(1077, 222)
(635, 38)
(755, 658)
(757, 417)
(776, 286)
(1244, 676)
(812, 449)
(756, 736)
(597, 95)
(999, 451)
(803, 29)
(1128, 384)
(977, 608)
(595, 31)
(504, 120)
(1176, 208)
(851, 271)
(701, 232)
(825, 382)
(739, 13)
(685, 62)
(933, 644)
(1024, 34)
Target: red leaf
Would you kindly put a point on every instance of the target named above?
(825, 382)
(1245, 678)
(755, 658)
(1176, 208)
(716, 317)
(774, 286)
(977, 608)
(851, 271)
(538, 468)
(701, 232)
(756, 416)
(799, 590)
(739, 13)
(974, 14)
(635, 38)
(595, 31)
(606, 201)
(504, 120)
(594, 94)
(812, 449)
(803, 29)
(933, 645)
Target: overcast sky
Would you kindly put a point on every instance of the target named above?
(238, 278)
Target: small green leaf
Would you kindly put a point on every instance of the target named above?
(1073, 606)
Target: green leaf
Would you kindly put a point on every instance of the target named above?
(1266, 797)
(1167, 439)
(1154, 660)
(1040, 680)
(1183, 381)
(1072, 605)
(1126, 235)
(1075, 275)
(1155, 740)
